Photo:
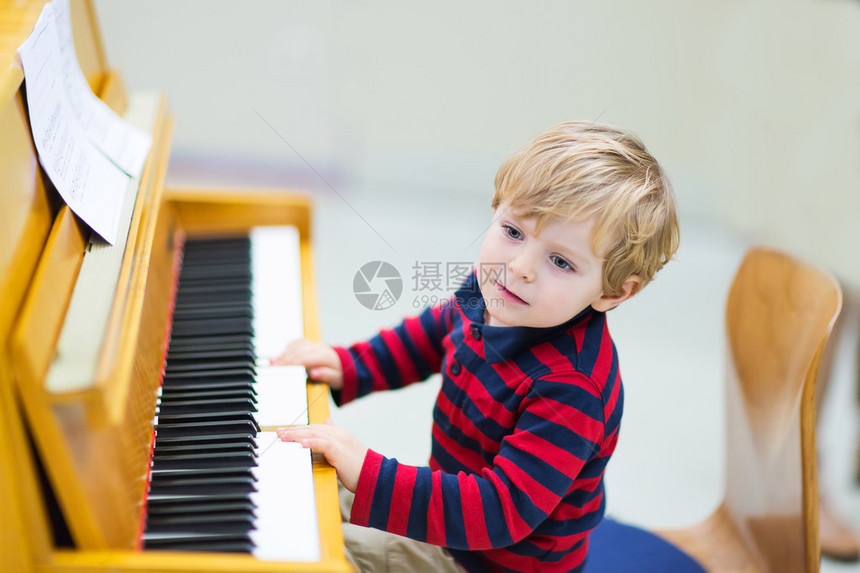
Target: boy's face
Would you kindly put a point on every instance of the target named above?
(538, 280)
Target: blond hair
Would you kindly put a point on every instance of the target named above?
(578, 170)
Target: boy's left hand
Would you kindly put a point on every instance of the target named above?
(341, 449)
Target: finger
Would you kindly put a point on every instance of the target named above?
(286, 357)
(311, 355)
(294, 433)
(320, 444)
(292, 352)
(322, 374)
(285, 434)
(329, 422)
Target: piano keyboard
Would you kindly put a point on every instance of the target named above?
(218, 482)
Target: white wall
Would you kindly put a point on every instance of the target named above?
(753, 107)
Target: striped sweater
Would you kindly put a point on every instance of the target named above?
(524, 424)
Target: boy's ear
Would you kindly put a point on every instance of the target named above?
(630, 287)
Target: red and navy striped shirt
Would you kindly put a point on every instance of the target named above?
(524, 424)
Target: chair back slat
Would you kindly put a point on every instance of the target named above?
(778, 317)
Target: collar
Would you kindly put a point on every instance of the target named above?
(502, 343)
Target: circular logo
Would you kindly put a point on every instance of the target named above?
(377, 285)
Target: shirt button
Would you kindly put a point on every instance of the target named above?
(456, 369)
(476, 332)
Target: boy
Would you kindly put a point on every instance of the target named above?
(531, 398)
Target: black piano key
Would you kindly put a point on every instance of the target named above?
(229, 487)
(206, 546)
(161, 439)
(227, 272)
(197, 430)
(167, 449)
(206, 513)
(241, 487)
(203, 243)
(207, 366)
(201, 389)
(220, 379)
(201, 406)
(212, 547)
(200, 506)
(233, 374)
(185, 477)
(185, 474)
(226, 353)
(211, 343)
(207, 256)
(197, 388)
(204, 461)
(229, 362)
(191, 349)
(232, 272)
(164, 502)
(237, 516)
(204, 526)
(190, 305)
(237, 430)
(202, 254)
(191, 301)
(193, 393)
(201, 385)
(228, 257)
(209, 547)
(204, 248)
(208, 261)
(244, 395)
(197, 541)
(198, 417)
(210, 312)
(168, 470)
(213, 327)
(234, 292)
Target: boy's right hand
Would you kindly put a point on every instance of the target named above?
(321, 361)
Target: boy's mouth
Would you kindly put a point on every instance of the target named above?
(508, 295)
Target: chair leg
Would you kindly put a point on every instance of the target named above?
(854, 306)
(716, 544)
(838, 541)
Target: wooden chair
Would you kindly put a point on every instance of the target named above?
(779, 315)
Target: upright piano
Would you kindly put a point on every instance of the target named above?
(90, 335)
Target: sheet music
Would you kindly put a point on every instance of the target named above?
(90, 184)
(121, 142)
(76, 356)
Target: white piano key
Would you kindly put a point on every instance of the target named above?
(277, 288)
(281, 396)
(286, 524)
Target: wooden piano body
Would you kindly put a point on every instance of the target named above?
(84, 455)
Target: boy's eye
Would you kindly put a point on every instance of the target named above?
(561, 263)
(512, 232)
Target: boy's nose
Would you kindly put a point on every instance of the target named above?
(521, 267)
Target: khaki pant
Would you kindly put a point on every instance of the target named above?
(374, 551)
